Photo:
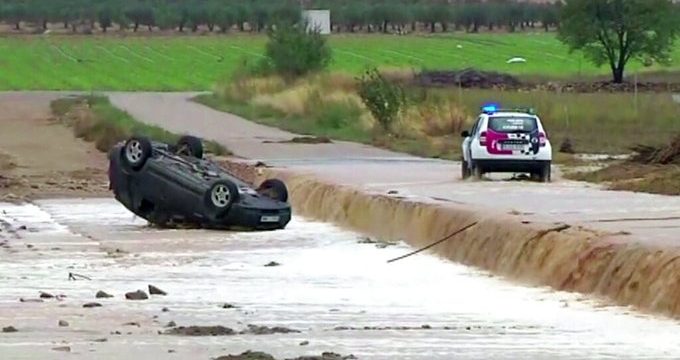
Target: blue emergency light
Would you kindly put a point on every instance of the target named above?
(490, 108)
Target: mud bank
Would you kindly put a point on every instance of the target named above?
(561, 256)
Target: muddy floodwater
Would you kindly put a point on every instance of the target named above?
(332, 286)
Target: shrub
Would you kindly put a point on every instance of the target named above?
(382, 98)
(293, 50)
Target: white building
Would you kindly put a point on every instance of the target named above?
(320, 19)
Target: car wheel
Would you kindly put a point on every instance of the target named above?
(477, 172)
(190, 146)
(545, 173)
(275, 189)
(220, 196)
(136, 152)
(465, 171)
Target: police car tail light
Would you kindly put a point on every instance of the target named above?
(542, 138)
(482, 138)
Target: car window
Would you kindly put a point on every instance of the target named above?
(513, 124)
(475, 128)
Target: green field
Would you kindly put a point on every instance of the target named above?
(195, 62)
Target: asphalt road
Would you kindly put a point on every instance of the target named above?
(651, 219)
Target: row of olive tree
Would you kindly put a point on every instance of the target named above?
(257, 15)
(471, 16)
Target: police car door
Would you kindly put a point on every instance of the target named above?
(468, 140)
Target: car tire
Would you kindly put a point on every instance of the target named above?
(476, 171)
(219, 198)
(190, 146)
(545, 173)
(274, 189)
(136, 152)
(464, 170)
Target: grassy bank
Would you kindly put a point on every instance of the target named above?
(94, 119)
(195, 62)
(595, 123)
(327, 105)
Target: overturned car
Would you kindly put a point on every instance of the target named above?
(170, 184)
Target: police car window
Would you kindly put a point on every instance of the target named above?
(508, 124)
(475, 128)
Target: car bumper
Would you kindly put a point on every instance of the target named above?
(512, 165)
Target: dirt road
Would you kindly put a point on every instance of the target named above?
(39, 157)
(634, 217)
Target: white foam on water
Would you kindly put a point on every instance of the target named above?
(327, 279)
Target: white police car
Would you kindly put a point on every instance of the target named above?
(506, 140)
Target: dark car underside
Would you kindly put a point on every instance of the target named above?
(170, 185)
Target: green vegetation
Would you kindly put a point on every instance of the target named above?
(310, 107)
(613, 32)
(256, 15)
(196, 63)
(94, 119)
(431, 121)
(595, 123)
(383, 98)
(293, 51)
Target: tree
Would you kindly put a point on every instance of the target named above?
(14, 13)
(105, 17)
(615, 31)
(382, 98)
(140, 14)
(224, 17)
(549, 15)
(293, 50)
(167, 17)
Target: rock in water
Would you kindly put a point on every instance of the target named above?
(136, 295)
(102, 295)
(248, 355)
(156, 291)
(201, 331)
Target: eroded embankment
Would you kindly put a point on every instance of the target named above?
(562, 257)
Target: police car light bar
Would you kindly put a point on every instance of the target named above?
(490, 108)
(494, 108)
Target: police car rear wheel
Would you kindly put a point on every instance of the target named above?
(545, 173)
(476, 171)
(465, 170)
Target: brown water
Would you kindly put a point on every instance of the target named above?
(332, 286)
(563, 257)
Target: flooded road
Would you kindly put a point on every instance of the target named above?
(332, 286)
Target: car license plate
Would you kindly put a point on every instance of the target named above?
(512, 147)
(269, 219)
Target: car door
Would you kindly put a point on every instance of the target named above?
(468, 140)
